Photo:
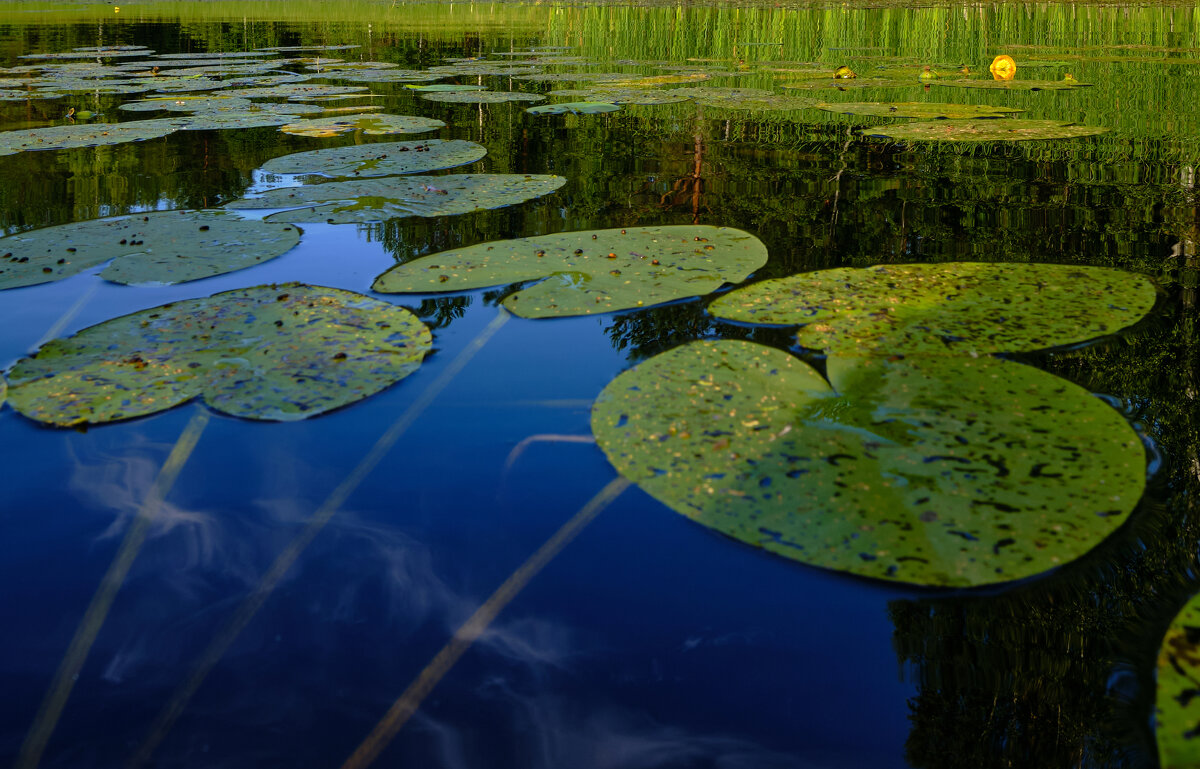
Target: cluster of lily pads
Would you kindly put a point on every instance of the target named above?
(265, 88)
(916, 455)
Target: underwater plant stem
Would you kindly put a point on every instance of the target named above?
(93, 618)
(284, 561)
(404, 707)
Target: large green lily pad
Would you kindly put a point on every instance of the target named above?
(281, 353)
(482, 97)
(927, 470)
(573, 108)
(373, 200)
(1177, 711)
(159, 247)
(592, 271)
(983, 130)
(83, 135)
(298, 91)
(923, 110)
(444, 88)
(958, 308)
(387, 159)
(622, 96)
(371, 125)
(1012, 85)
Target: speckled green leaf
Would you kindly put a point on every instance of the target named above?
(590, 271)
(1012, 85)
(953, 308)
(373, 200)
(1010, 130)
(482, 97)
(1177, 711)
(927, 470)
(281, 352)
(370, 124)
(923, 110)
(384, 159)
(444, 88)
(622, 95)
(157, 247)
(574, 77)
(574, 108)
(83, 135)
(298, 91)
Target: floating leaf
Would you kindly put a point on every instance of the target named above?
(925, 110)
(755, 99)
(298, 91)
(574, 108)
(482, 97)
(813, 84)
(1014, 85)
(385, 159)
(928, 470)
(1177, 710)
(83, 135)
(590, 271)
(572, 77)
(157, 247)
(1011, 130)
(280, 353)
(626, 96)
(650, 82)
(373, 200)
(444, 88)
(386, 76)
(954, 308)
(216, 105)
(371, 125)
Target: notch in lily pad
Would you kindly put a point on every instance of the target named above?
(591, 271)
(373, 200)
(159, 247)
(956, 308)
(947, 472)
(277, 353)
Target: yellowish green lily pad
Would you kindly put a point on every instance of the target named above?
(160, 247)
(280, 353)
(444, 88)
(371, 125)
(1013, 85)
(591, 271)
(574, 108)
(926, 470)
(1177, 711)
(923, 110)
(384, 159)
(482, 97)
(373, 200)
(1010, 130)
(622, 96)
(957, 308)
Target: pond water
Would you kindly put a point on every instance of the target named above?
(190, 588)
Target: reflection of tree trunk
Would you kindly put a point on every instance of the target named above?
(837, 187)
(693, 182)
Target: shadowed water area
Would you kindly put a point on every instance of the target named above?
(648, 470)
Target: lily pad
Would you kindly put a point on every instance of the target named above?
(277, 353)
(574, 77)
(927, 470)
(371, 125)
(373, 200)
(297, 91)
(83, 135)
(387, 159)
(385, 76)
(157, 247)
(1177, 711)
(622, 96)
(957, 308)
(1013, 85)
(1011, 130)
(445, 88)
(482, 97)
(574, 108)
(591, 271)
(755, 99)
(924, 110)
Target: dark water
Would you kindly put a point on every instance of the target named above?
(648, 641)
